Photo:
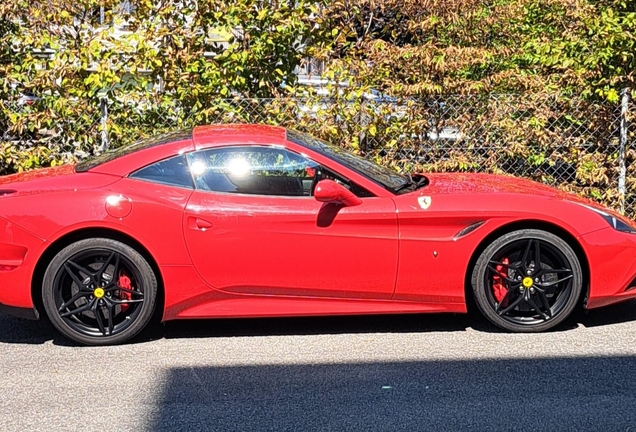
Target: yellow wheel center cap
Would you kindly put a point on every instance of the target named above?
(527, 282)
(99, 292)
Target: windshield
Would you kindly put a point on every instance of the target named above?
(385, 177)
(131, 148)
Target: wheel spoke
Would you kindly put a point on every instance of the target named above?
(96, 309)
(556, 282)
(73, 276)
(110, 307)
(555, 271)
(73, 299)
(511, 306)
(126, 301)
(80, 309)
(537, 255)
(503, 300)
(81, 269)
(107, 262)
(526, 255)
(497, 263)
(118, 288)
(545, 302)
(113, 279)
(534, 306)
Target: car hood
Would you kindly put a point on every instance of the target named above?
(457, 183)
(470, 183)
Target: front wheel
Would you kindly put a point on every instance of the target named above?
(527, 281)
(99, 292)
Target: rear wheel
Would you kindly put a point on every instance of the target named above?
(99, 292)
(527, 281)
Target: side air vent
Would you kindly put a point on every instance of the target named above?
(468, 230)
(4, 192)
(631, 285)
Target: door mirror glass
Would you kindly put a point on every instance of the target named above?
(328, 191)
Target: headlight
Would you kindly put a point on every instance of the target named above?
(616, 222)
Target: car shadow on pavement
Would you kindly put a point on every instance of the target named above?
(412, 323)
(571, 393)
(614, 314)
(23, 331)
(408, 323)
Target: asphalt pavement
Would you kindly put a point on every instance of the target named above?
(388, 373)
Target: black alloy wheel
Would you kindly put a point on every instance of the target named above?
(527, 281)
(99, 292)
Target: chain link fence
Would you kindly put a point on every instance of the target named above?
(569, 143)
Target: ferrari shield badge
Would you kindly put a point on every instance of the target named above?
(424, 201)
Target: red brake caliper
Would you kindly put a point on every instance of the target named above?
(124, 282)
(498, 287)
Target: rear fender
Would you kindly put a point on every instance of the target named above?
(18, 258)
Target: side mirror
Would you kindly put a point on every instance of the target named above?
(328, 191)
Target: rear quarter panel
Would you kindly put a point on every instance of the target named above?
(154, 221)
(37, 220)
(18, 257)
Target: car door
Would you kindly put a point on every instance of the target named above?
(252, 227)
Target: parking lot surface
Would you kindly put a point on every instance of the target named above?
(417, 372)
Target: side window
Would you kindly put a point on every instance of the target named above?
(253, 170)
(325, 173)
(173, 171)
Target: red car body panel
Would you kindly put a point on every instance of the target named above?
(349, 254)
(232, 255)
(612, 261)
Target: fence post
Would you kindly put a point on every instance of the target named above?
(103, 104)
(363, 123)
(104, 118)
(623, 145)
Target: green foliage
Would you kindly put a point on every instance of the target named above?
(155, 65)
(569, 61)
(411, 47)
(168, 64)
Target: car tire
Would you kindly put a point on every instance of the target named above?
(516, 294)
(99, 291)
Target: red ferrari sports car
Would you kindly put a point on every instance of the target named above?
(255, 221)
